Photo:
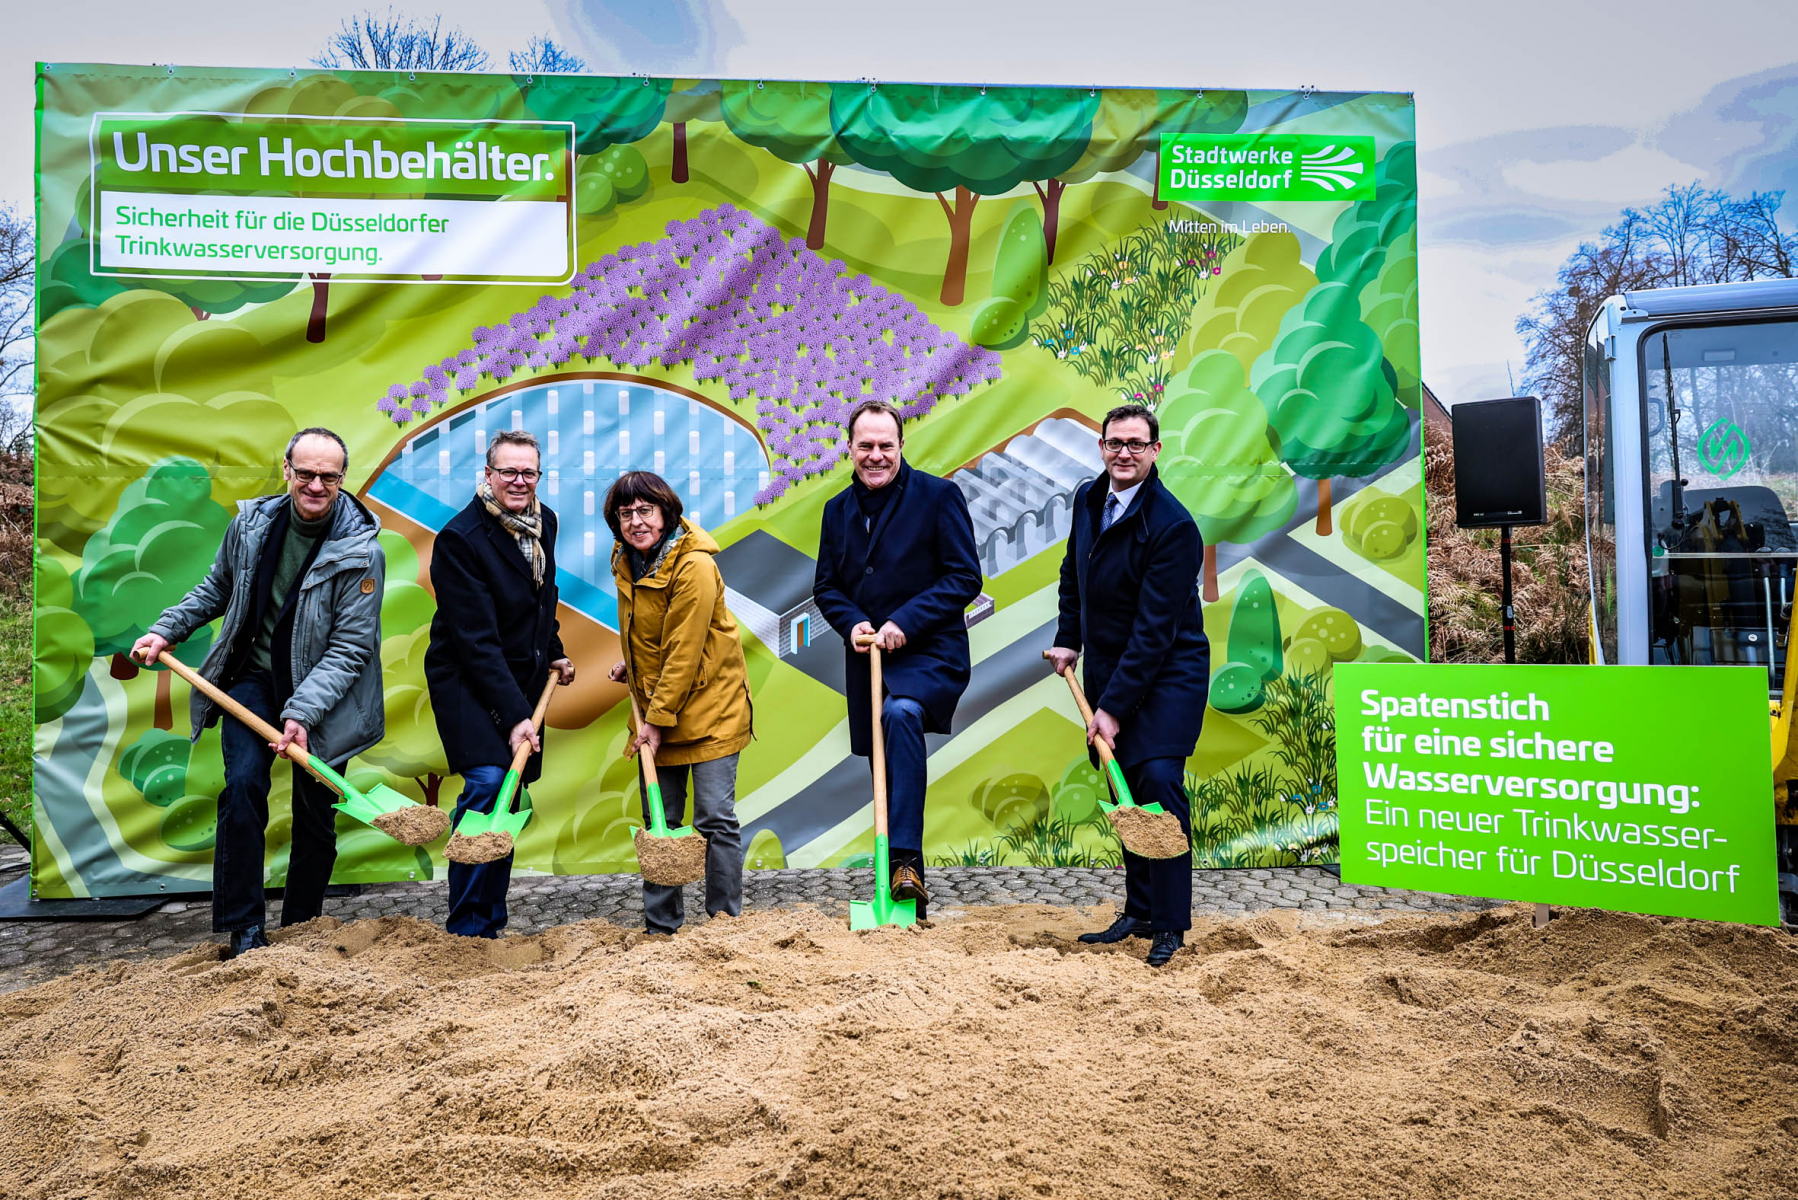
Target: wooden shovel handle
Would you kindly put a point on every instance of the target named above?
(648, 760)
(217, 695)
(522, 755)
(1086, 710)
(879, 757)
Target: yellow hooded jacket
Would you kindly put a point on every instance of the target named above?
(683, 660)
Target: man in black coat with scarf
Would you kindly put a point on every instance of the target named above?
(494, 641)
(897, 560)
(1130, 599)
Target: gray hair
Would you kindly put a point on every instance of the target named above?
(316, 431)
(512, 437)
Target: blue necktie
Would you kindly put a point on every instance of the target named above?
(1110, 514)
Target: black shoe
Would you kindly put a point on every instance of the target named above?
(245, 940)
(1123, 927)
(1164, 945)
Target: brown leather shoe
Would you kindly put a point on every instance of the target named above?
(909, 885)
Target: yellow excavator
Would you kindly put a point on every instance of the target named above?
(1691, 465)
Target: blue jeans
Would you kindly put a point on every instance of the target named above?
(477, 891)
(238, 898)
(1158, 891)
(908, 773)
(715, 817)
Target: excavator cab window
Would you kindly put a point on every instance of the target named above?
(1720, 408)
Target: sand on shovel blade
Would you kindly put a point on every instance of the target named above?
(482, 848)
(414, 825)
(670, 861)
(1152, 835)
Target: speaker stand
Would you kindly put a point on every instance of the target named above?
(1508, 616)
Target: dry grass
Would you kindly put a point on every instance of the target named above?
(15, 525)
(1548, 573)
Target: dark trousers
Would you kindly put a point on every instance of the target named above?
(1159, 890)
(908, 772)
(477, 891)
(908, 778)
(238, 901)
(715, 817)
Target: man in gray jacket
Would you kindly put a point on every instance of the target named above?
(298, 581)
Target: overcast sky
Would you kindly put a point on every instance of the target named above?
(1537, 120)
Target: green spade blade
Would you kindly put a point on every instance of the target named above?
(883, 909)
(658, 820)
(1121, 790)
(502, 819)
(360, 806)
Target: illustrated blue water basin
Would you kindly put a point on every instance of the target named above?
(591, 431)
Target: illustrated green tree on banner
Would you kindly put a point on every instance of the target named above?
(138, 381)
(1262, 280)
(1328, 394)
(605, 112)
(1366, 230)
(968, 141)
(792, 122)
(690, 100)
(1389, 306)
(159, 544)
(1223, 466)
(63, 650)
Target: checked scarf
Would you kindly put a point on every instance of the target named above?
(526, 528)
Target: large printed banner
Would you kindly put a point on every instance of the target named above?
(701, 278)
(1573, 785)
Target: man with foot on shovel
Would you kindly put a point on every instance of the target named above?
(897, 562)
(298, 581)
(1130, 599)
(494, 641)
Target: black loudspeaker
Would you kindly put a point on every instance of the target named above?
(1499, 476)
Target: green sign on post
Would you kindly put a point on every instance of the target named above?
(1639, 789)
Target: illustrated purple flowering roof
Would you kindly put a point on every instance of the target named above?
(763, 315)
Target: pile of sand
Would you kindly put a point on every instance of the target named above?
(781, 1055)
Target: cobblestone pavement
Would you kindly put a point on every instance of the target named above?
(31, 951)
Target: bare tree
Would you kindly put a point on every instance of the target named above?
(400, 42)
(18, 274)
(543, 56)
(1689, 236)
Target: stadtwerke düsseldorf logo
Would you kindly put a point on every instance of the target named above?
(1266, 167)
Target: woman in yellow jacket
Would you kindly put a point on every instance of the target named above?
(684, 665)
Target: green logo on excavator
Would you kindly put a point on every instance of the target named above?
(1723, 448)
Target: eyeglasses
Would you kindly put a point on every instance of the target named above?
(304, 478)
(511, 475)
(1117, 445)
(640, 513)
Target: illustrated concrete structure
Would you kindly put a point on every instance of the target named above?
(1021, 494)
(768, 584)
